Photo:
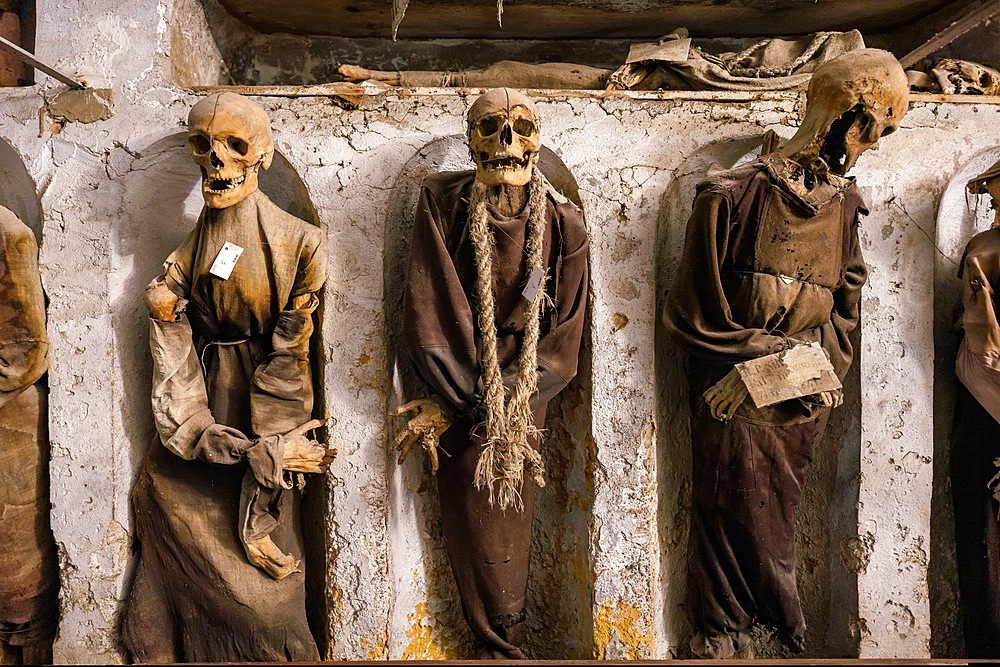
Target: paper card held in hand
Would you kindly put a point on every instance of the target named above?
(801, 371)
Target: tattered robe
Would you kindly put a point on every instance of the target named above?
(29, 572)
(488, 548)
(976, 444)
(766, 265)
(230, 376)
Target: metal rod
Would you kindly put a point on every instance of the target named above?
(38, 64)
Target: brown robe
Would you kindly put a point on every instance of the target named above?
(765, 265)
(488, 548)
(230, 376)
(29, 572)
(975, 443)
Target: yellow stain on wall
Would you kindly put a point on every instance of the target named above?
(424, 645)
(377, 648)
(620, 620)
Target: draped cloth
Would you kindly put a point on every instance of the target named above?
(230, 376)
(29, 571)
(766, 265)
(975, 444)
(488, 548)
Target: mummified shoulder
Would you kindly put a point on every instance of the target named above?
(447, 186)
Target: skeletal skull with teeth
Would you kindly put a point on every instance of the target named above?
(230, 139)
(504, 137)
(852, 101)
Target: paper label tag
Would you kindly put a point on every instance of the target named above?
(225, 261)
(801, 371)
(534, 283)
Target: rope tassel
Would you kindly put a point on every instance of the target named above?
(509, 425)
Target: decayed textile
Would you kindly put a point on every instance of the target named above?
(976, 444)
(766, 265)
(771, 64)
(29, 573)
(236, 366)
(488, 548)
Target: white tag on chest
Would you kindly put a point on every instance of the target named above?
(225, 261)
(534, 283)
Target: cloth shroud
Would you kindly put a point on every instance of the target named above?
(443, 340)
(230, 376)
(29, 571)
(766, 265)
(771, 64)
(976, 445)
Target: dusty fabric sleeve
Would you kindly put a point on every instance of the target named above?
(835, 334)
(559, 348)
(437, 317)
(180, 407)
(697, 314)
(24, 345)
(281, 393)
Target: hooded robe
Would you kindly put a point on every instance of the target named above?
(230, 375)
(488, 547)
(29, 572)
(766, 265)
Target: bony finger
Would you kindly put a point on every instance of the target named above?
(407, 407)
(305, 428)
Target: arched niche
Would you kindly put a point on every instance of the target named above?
(160, 195)
(827, 515)
(426, 618)
(960, 217)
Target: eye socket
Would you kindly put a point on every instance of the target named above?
(238, 146)
(524, 127)
(489, 126)
(199, 144)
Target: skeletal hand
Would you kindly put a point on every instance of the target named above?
(427, 426)
(161, 302)
(830, 399)
(303, 454)
(726, 395)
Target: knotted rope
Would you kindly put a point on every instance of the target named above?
(508, 425)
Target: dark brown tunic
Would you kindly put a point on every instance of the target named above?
(766, 265)
(196, 597)
(976, 444)
(488, 548)
(29, 572)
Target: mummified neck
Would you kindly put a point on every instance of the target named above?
(508, 200)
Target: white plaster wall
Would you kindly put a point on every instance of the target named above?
(116, 197)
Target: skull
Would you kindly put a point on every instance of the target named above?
(961, 77)
(504, 137)
(230, 139)
(852, 101)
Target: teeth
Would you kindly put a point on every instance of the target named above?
(223, 184)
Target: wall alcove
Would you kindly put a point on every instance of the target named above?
(425, 598)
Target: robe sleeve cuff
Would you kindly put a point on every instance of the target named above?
(265, 457)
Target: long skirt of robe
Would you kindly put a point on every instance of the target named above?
(975, 444)
(29, 571)
(196, 597)
(488, 548)
(747, 484)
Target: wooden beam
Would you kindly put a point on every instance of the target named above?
(977, 13)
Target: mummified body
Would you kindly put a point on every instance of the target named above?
(494, 305)
(232, 398)
(29, 572)
(976, 435)
(771, 259)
